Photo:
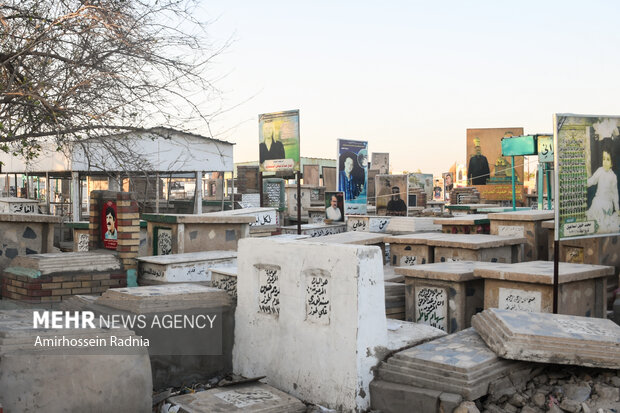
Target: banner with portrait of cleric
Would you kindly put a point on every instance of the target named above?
(586, 164)
(391, 195)
(353, 175)
(278, 141)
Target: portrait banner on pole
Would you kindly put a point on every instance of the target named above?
(278, 141)
(586, 158)
(353, 175)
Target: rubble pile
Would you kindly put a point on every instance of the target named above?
(551, 388)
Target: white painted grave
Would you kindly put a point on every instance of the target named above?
(320, 301)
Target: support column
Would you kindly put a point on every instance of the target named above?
(157, 193)
(75, 196)
(198, 194)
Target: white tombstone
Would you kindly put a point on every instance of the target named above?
(307, 318)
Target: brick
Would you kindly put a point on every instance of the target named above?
(51, 286)
(16, 283)
(100, 289)
(117, 276)
(128, 241)
(62, 278)
(72, 284)
(124, 203)
(39, 293)
(82, 290)
(17, 290)
(33, 286)
(61, 291)
(135, 222)
(83, 277)
(109, 282)
(50, 299)
(91, 283)
(129, 214)
(105, 276)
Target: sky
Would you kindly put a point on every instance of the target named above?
(410, 76)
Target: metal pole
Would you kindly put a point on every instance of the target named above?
(540, 183)
(514, 196)
(298, 203)
(556, 274)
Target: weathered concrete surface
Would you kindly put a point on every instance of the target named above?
(550, 338)
(320, 301)
(406, 225)
(252, 397)
(316, 230)
(367, 223)
(52, 379)
(404, 334)
(443, 295)
(24, 234)
(225, 278)
(188, 267)
(395, 300)
(526, 224)
(528, 286)
(458, 363)
(63, 262)
(400, 398)
(353, 237)
(466, 241)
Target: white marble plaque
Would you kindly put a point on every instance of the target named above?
(269, 290)
(356, 224)
(318, 304)
(408, 260)
(265, 218)
(83, 242)
(246, 398)
(511, 231)
(378, 224)
(520, 300)
(431, 307)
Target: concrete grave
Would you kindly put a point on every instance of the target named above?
(188, 267)
(189, 355)
(320, 301)
(316, 215)
(291, 200)
(225, 278)
(465, 224)
(250, 397)
(367, 223)
(315, 230)
(14, 205)
(468, 208)
(528, 286)
(524, 224)
(46, 378)
(458, 363)
(356, 238)
(266, 219)
(24, 234)
(404, 334)
(182, 233)
(51, 278)
(444, 295)
(395, 300)
(550, 338)
(407, 225)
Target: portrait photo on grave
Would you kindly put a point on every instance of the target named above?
(278, 141)
(587, 155)
(108, 225)
(391, 195)
(334, 206)
(353, 174)
(448, 185)
(438, 189)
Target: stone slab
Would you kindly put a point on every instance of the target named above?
(225, 278)
(316, 230)
(458, 271)
(459, 363)
(291, 237)
(352, 237)
(541, 272)
(63, 262)
(469, 207)
(51, 219)
(187, 267)
(167, 297)
(251, 397)
(367, 223)
(403, 225)
(405, 334)
(263, 216)
(470, 219)
(550, 338)
(390, 275)
(465, 241)
(527, 215)
(207, 218)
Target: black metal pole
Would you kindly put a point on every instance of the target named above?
(260, 187)
(298, 203)
(556, 274)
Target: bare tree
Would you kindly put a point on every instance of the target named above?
(71, 69)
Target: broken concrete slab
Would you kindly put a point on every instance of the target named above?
(404, 334)
(29, 377)
(550, 338)
(251, 397)
(459, 363)
(187, 267)
(528, 286)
